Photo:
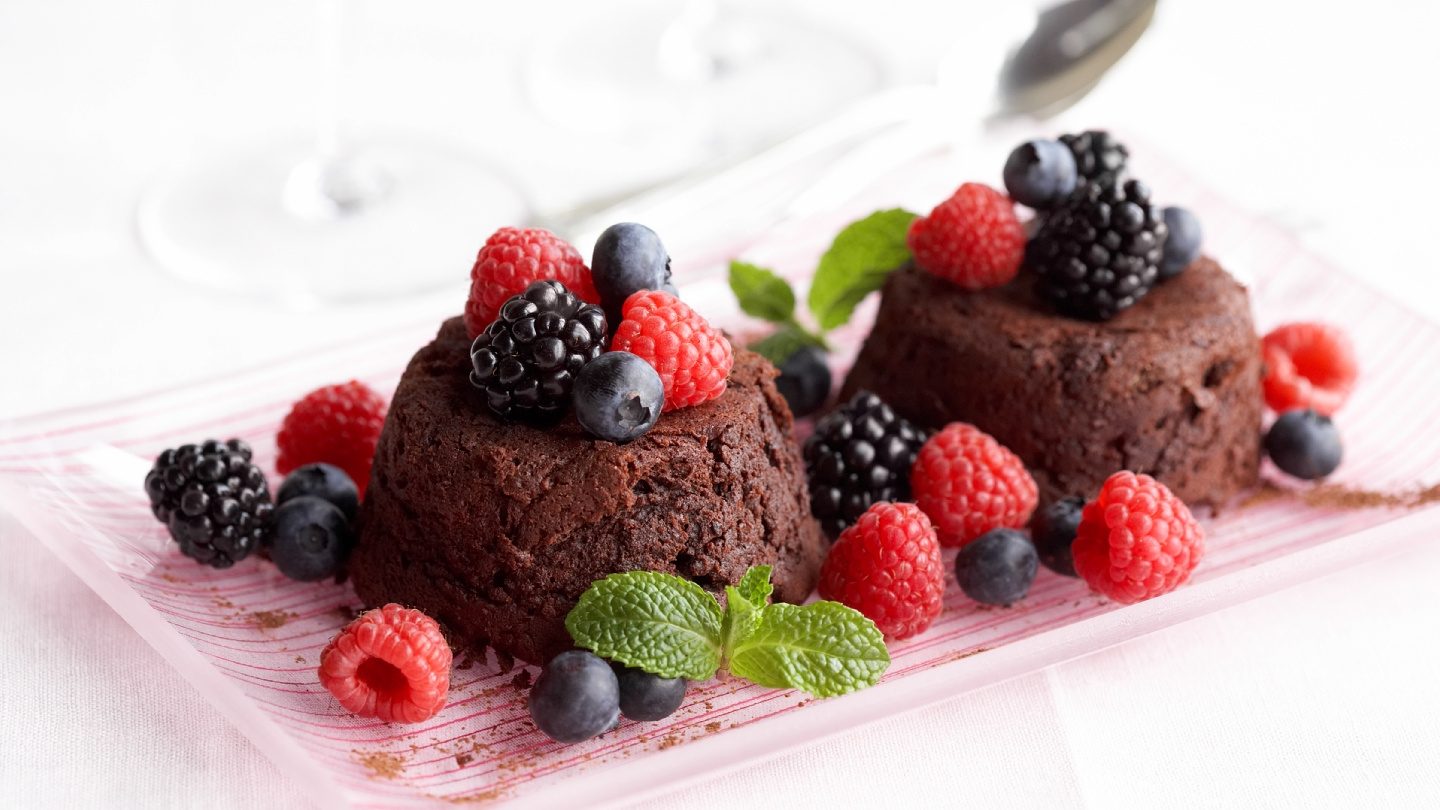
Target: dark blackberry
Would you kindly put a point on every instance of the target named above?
(1099, 158)
(214, 501)
(526, 361)
(1100, 252)
(859, 455)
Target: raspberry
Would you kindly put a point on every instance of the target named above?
(693, 358)
(887, 566)
(337, 424)
(391, 663)
(214, 501)
(1136, 540)
(972, 239)
(1308, 365)
(968, 483)
(512, 258)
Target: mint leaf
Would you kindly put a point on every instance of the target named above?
(663, 624)
(761, 293)
(779, 345)
(824, 648)
(744, 603)
(856, 264)
(741, 618)
(755, 585)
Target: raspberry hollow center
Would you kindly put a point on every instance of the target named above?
(381, 676)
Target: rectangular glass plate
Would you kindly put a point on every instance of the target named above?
(249, 640)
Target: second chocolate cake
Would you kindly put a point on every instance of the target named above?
(1170, 388)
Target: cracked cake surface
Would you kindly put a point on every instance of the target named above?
(1170, 387)
(495, 528)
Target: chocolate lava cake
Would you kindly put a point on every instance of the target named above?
(495, 528)
(1169, 387)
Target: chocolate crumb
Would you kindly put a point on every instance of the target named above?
(381, 764)
(299, 659)
(521, 681)
(271, 619)
(713, 726)
(505, 661)
(463, 759)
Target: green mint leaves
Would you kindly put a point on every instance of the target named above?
(824, 648)
(660, 623)
(856, 264)
(668, 626)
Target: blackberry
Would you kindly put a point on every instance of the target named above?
(1099, 253)
(214, 501)
(526, 361)
(859, 455)
(1099, 158)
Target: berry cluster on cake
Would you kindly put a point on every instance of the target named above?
(581, 460)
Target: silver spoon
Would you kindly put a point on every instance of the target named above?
(1058, 57)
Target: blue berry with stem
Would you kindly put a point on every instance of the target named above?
(618, 397)
(1304, 443)
(324, 481)
(997, 567)
(1182, 246)
(575, 698)
(1041, 174)
(312, 539)
(628, 257)
(646, 697)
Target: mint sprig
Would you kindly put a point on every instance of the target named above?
(668, 626)
(857, 263)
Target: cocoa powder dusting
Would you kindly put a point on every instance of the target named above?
(1339, 496)
(381, 764)
(271, 619)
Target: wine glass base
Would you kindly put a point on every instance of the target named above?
(729, 83)
(401, 218)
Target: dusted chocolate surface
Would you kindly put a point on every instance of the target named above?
(495, 529)
(1170, 387)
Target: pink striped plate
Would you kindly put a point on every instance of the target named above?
(248, 639)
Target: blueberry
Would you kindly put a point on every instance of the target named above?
(804, 380)
(997, 567)
(311, 540)
(575, 698)
(647, 697)
(618, 396)
(325, 481)
(1053, 530)
(1040, 173)
(628, 257)
(1304, 443)
(1182, 246)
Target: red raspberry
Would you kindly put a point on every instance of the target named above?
(969, 484)
(693, 358)
(972, 239)
(1308, 365)
(512, 258)
(887, 566)
(1136, 540)
(337, 424)
(391, 663)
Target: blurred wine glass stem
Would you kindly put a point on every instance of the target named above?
(335, 182)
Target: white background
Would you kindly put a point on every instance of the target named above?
(1319, 115)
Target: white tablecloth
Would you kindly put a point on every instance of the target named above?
(1322, 695)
